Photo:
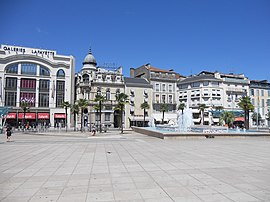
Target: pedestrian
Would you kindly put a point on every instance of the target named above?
(93, 132)
(8, 132)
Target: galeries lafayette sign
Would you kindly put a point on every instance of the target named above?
(23, 50)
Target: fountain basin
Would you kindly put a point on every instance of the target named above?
(202, 133)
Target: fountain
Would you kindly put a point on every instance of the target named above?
(184, 120)
(151, 122)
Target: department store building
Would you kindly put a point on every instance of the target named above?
(43, 78)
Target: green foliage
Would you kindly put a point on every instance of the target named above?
(254, 117)
(181, 107)
(247, 106)
(227, 117)
(122, 100)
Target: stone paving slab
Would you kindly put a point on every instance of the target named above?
(132, 167)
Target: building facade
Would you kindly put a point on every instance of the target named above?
(260, 97)
(139, 91)
(40, 77)
(94, 80)
(213, 89)
(164, 84)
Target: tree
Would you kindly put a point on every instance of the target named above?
(218, 109)
(25, 106)
(121, 100)
(66, 105)
(181, 107)
(163, 109)
(144, 106)
(83, 104)
(227, 117)
(100, 99)
(247, 106)
(202, 107)
(75, 111)
(255, 116)
(268, 118)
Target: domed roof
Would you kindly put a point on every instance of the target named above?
(89, 59)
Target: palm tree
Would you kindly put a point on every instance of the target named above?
(227, 117)
(100, 99)
(144, 106)
(202, 107)
(181, 107)
(83, 104)
(25, 106)
(75, 110)
(163, 109)
(121, 100)
(256, 117)
(219, 109)
(247, 106)
(66, 105)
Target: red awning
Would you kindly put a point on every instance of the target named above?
(27, 116)
(11, 116)
(59, 116)
(239, 119)
(43, 115)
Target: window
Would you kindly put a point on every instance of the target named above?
(43, 100)
(268, 102)
(13, 68)
(215, 83)
(157, 87)
(252, 92)
(44, 71)
(60, 73)
(262, 102)
(262, 92)
(97, 116)
(108, 94)
(44, 85)
(170, 88)
(85, 78)
(183, 86)
(11, 83)
(29, 84)
(163, 98)
(10, 99)
(29, 68)
(268, 93)
(29, 97)
(117, 92)
(258, 92)
(170, 99)
(60, 93)
(195, 84)
(205, 83)
(107, 116)
(164, 87)
(157, 98)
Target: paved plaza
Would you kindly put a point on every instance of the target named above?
(133, 167)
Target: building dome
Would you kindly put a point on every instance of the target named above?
(89, 59)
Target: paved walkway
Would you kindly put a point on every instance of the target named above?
(132, 167)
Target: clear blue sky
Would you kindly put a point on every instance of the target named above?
(187, 35)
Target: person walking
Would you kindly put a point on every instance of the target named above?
(8, 132)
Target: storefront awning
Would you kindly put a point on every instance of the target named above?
(59, 116)
(27, 116)
(43, 115)
(239, 119)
